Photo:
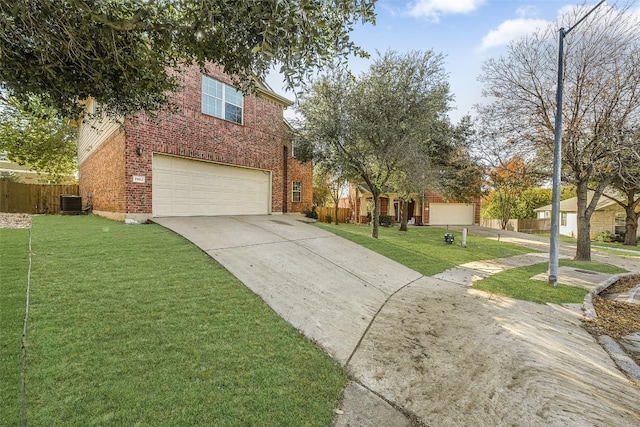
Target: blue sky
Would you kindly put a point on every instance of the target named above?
(467, 32)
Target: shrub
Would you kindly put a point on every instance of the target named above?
(385, 220)
(328, 219)
(606, 237)
(311, 214)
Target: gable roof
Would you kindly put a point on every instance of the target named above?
(263, 89)
(571, 205)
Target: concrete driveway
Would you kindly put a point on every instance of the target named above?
(422, 350)
(325, 286)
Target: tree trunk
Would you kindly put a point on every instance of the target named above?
(375, 214)
(404, 215)
(335, 213)
(506, 202)
(631, 226)
(583, 249)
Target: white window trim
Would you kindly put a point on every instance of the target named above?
(223, 100)
(294, 191)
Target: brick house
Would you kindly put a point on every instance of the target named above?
(221, 153)
(430, 209)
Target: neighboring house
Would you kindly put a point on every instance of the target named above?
(608, 216)
(14, 172)
(344, 202)
(433, 209)
(222, 153)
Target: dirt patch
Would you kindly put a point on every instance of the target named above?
(15, 220)
(616, 318)
(457, 356)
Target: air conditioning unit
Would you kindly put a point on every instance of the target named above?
(70, 204)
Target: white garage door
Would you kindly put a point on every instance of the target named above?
(184, 187)
(451, 214)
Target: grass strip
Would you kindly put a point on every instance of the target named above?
(133, 325)
(629, 251)
(14, 264)
(612, 248)
(517, 283)
(422, 248)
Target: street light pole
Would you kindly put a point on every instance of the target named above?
(557, 156)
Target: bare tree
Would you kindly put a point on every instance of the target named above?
(626, 181)
(601, 92)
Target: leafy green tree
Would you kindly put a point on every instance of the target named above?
(334, 182)
(444, 164)
(460, 175)
(525, 204)
(508, 181)
(529, 200)
(118, 51)
(372, 127)
(33, 134)
(320, 188)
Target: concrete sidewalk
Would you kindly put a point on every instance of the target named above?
(541, 243)
(422, 350)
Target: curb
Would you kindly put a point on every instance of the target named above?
(624, 362)
(617, 354)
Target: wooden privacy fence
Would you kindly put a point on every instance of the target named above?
(527, 225)
(343, 214)
(33, 198)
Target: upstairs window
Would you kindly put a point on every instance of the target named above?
(296, 191)
(221, 100)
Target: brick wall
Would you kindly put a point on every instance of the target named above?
(603, 220)
(355, 195)
(102, 176)
(258, 143)
(302, 172)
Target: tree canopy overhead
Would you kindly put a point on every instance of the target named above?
(119, 51)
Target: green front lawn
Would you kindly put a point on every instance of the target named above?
(422, 248)
(133, 325)
(561, 237)
(616, 248)
(612, 248)
(516, 283)
(14, 267)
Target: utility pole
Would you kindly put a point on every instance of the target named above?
(557, 157)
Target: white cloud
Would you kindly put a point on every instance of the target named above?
(510, 30)
(527, 11)
(433, 9)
